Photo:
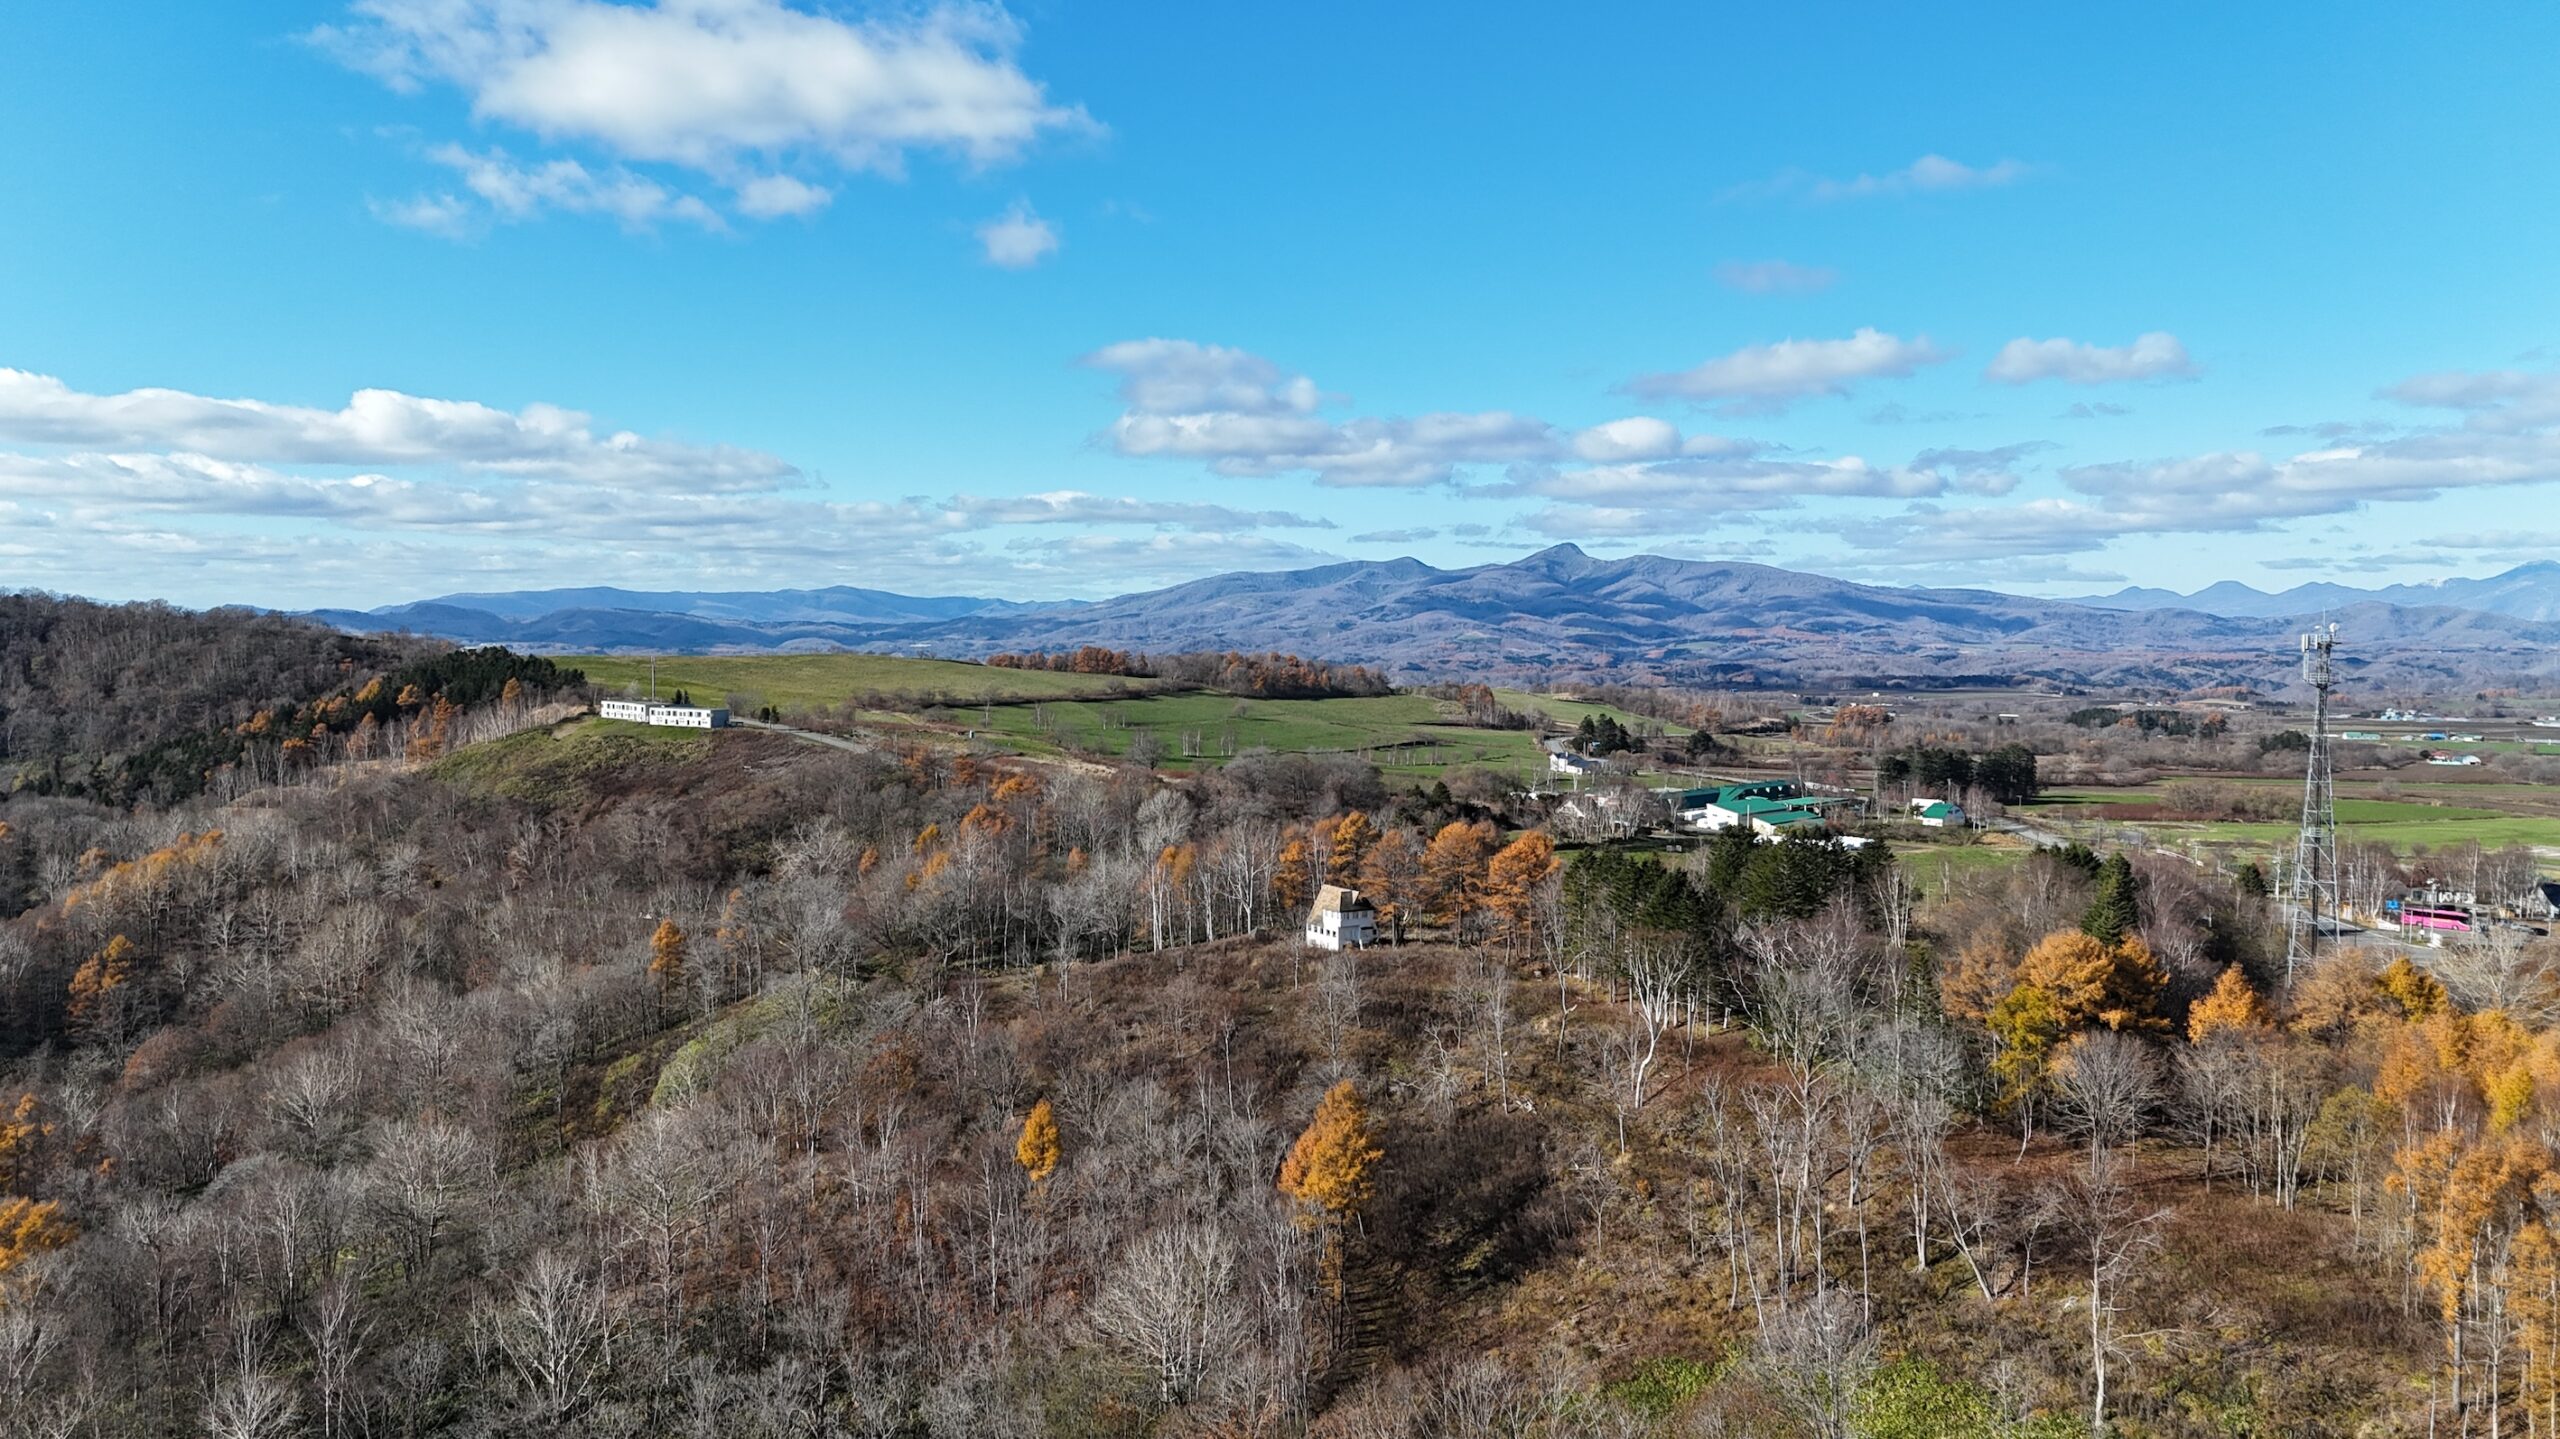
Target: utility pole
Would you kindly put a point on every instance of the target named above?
(2315, 851)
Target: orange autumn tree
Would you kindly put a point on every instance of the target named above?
(29, 1227)
(2232, 1008)
(1292, 880)
(1331, 1167)
(1512, 880)
(94, 984)
(1353, 836)
(1039, 1149)
(1453, 868)
(1391, 877)
(2092, 982)
(666, 959)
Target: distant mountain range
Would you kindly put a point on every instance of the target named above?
(2527, 592)
(1560, 614)
(601, 619)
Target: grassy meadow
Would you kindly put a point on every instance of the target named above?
(816, 681)
(1409, 736)
(2415, 814)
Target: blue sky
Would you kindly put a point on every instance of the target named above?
(351, 304)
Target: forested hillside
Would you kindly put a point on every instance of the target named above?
(148, 702)
(598, 1080)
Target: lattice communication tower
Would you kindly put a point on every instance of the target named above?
(2314, 881)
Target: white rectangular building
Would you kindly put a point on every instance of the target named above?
(689, 716)
(673, 716)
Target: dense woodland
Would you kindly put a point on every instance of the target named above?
(585, 1081)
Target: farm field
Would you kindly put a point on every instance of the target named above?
(2433, 817)
(1935, 866)
(1403, 734)
(1408, 736)
(810, 681)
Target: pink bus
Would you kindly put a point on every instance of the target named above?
(2445, 917)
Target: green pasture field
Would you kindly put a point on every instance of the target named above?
(1574, 712)
(1037, 712)
(2494, 815)
(790, 682)
(1403, 734)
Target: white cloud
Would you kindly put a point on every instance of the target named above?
(1171, 377)
(1243, 415)
(1119, 564)
(1765, 379)
(376, 427)
(1638, 437)
(1017, 239)
(1074, 507)
(1774, 277)
(515, 191)
(2153, 356)
(2487, 399)
(1928, 175)
(2219, 493)
(713, 84)
(723, 88)
(768, 197)
(438, 214)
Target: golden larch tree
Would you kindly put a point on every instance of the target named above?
(2232, 1008)
(29, 1227)
(1039, 1149)
(1353, 836)
(1453, 868)
(1390, 878)
(94, 984)
(1512, 880)
(1292, 880)
(1333, 1165)
(666, 958)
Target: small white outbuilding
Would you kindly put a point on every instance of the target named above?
(1342, 919)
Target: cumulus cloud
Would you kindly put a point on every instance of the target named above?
(1774, 277)
(712, 86)
(375, 427)
(2093, 410)
(723, 88)
(1766, 379)
(1017, 239)
(1396, 537)
(1980, 472)
(2487, 399)
(1638, 437)
(2219, 492)
(1244, 416)
(2154, 356)
(446, 487)
(1679, 496)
